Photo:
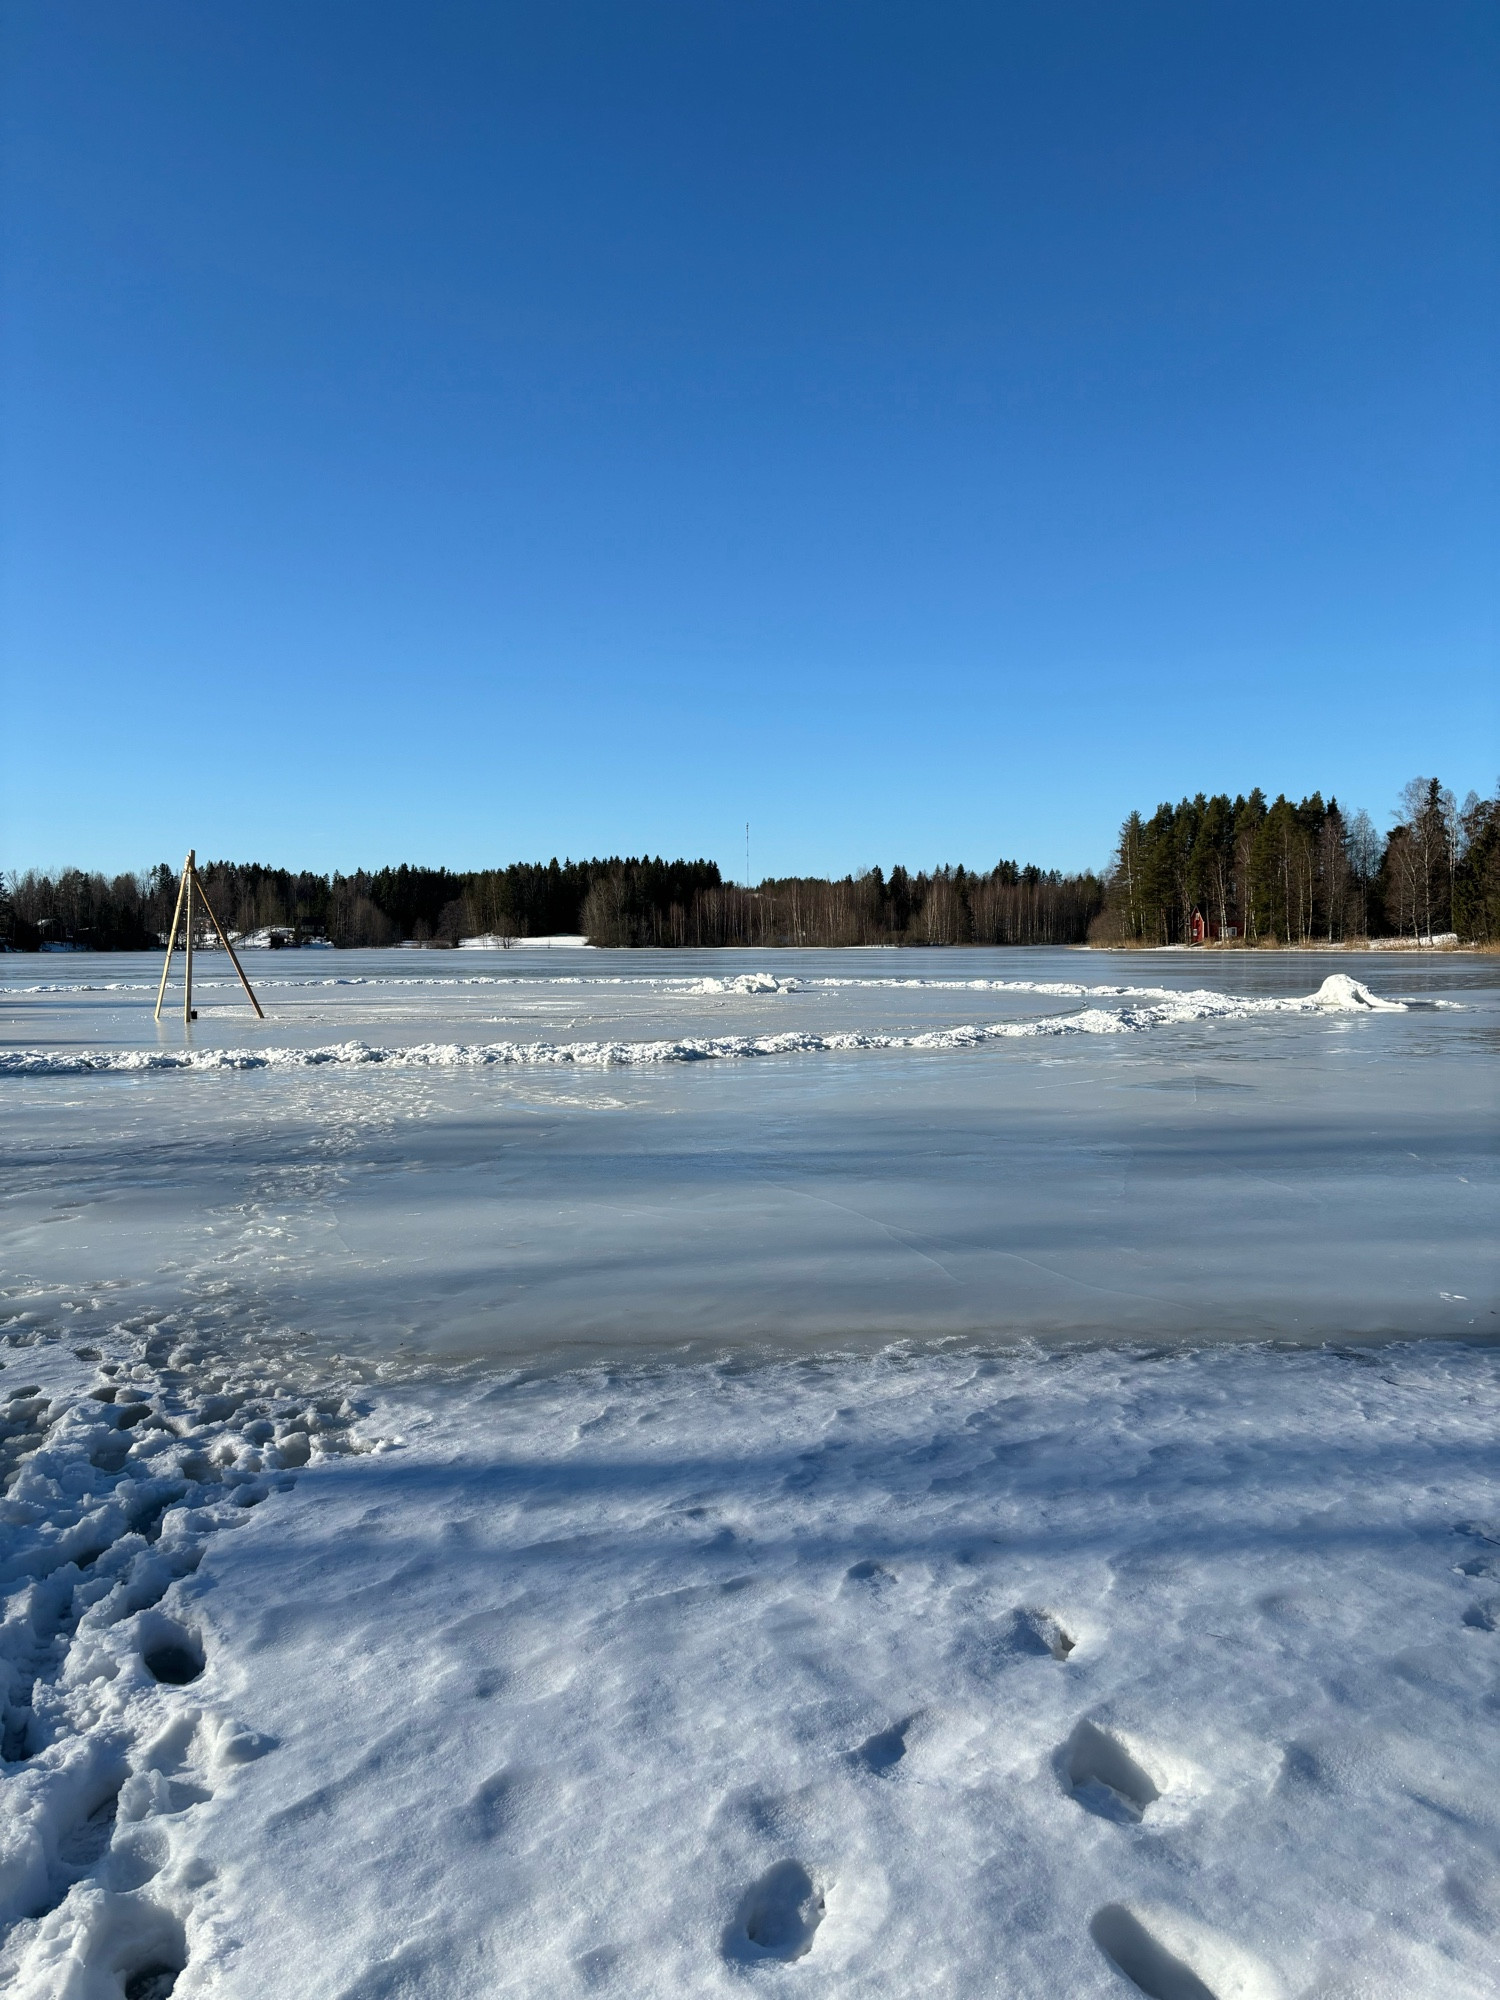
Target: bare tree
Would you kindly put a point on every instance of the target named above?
(1362, 844)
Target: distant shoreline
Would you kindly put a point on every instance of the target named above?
(1441, 947)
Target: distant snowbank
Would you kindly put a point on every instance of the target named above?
(1338, 994)
(262, 941)
(556, 941)
(1440, 941)
(1258, 947)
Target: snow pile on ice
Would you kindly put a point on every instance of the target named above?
(744, 982)
(1081, 1674)
(1338, 994)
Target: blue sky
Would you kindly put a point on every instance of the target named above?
(468, 433)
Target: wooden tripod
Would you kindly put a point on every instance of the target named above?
(190, 887)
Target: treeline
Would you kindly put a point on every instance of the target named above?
(388, 906)
(1010, 905)
(1308, 873)
(1222, 868)
(615, 901)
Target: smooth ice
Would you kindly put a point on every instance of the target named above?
(525, 1154)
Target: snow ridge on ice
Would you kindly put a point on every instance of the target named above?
(1338, 989)
(1338, 994)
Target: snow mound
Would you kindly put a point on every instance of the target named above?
(1339, 994)
(745, 982)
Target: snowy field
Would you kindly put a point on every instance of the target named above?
(848, 1474)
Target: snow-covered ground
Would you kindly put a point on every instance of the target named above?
(853, 1474)
(1439, 941)
(1087, 1674)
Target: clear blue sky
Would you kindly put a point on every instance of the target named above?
(463, 433)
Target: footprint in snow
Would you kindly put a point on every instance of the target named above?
(152, 1982)
(1037, 1633)
(778, 1918)
(1103, 1776)
(1169, 1956)
(139, 1950)
(869, 1575)
(172, 1655)
(86, 1839)
(885, 1749)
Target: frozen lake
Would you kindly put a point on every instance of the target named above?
(563, 1154)
(846, 1474)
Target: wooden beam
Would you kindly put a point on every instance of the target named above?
(230, 949)
(161, 991)
(187, 987)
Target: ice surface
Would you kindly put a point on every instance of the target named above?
(924, 1593)
(665, 1149)
(1090, 1673)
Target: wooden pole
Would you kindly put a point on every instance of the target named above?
(184, 914)
(187, 985)
(161, 991)
(230, 949)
